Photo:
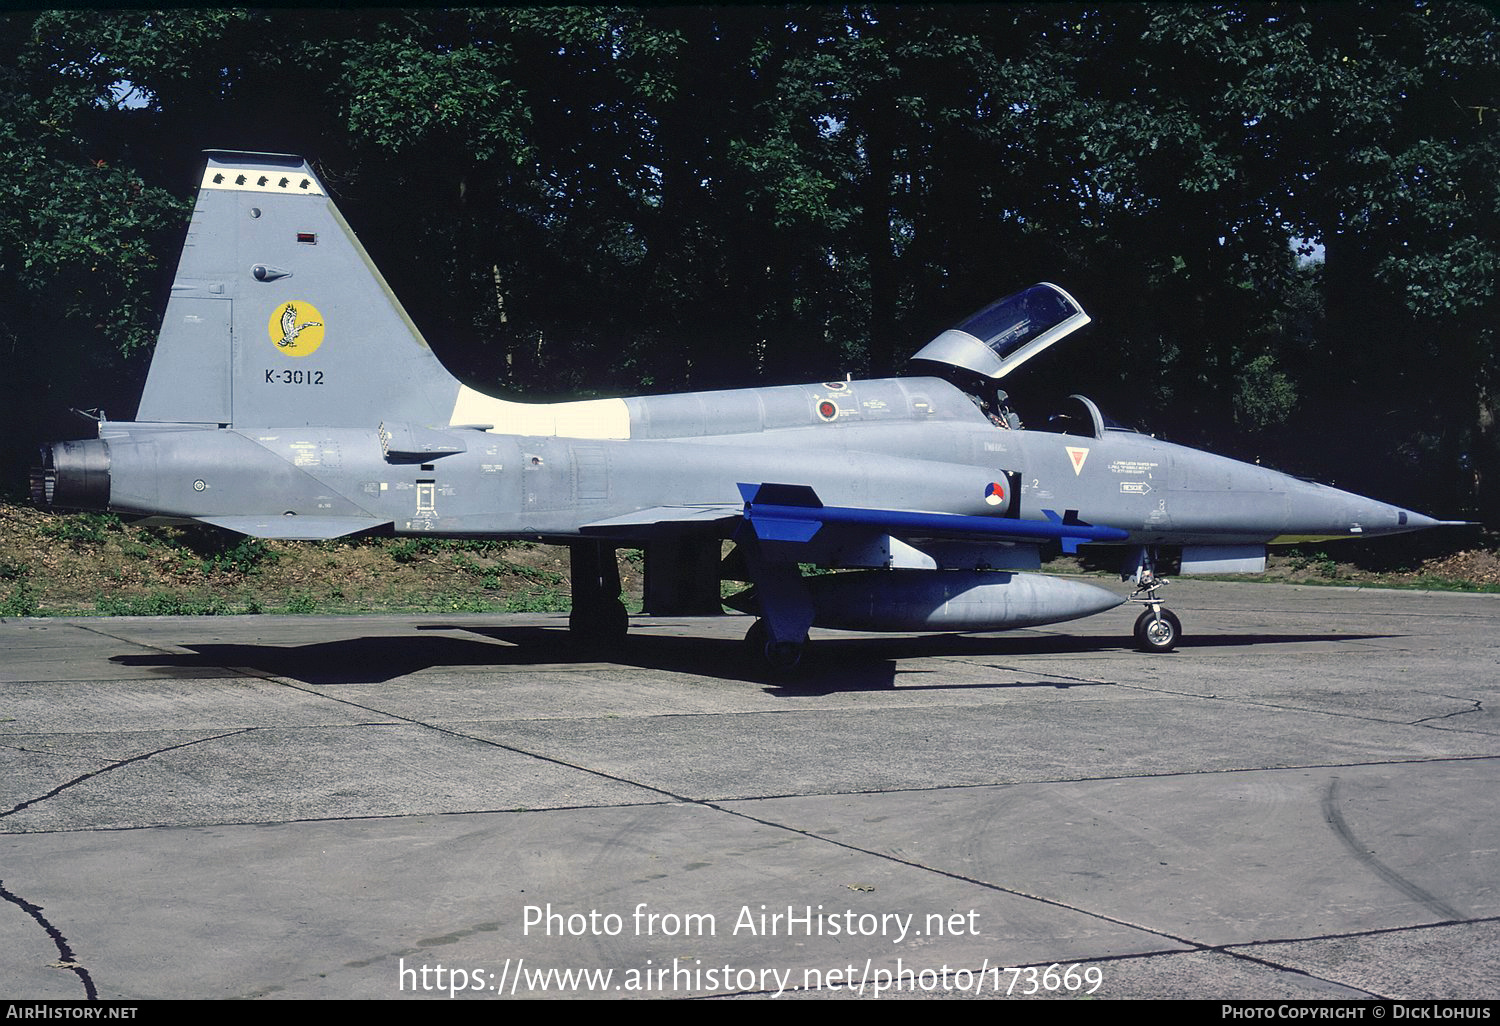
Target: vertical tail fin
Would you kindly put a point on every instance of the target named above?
(279, 318)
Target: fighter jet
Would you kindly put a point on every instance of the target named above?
(290, 396)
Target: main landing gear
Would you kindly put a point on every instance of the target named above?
(598, 616)
(778, 658)
(1157, 629)
(776, 641)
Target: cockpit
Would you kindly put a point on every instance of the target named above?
(1080, 416)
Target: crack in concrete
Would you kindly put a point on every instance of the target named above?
(114, 766)
(1478, 707)
(65, 957)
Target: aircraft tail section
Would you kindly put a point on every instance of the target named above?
(278, 317)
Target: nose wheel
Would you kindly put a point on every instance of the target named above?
(1157, 629)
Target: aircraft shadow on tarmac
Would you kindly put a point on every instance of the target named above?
(861, 663)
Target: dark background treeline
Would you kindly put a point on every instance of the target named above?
(1285, 220)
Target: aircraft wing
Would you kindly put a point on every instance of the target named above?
(666, 520)
(793, 514)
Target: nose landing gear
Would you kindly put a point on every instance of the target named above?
(1157, 629)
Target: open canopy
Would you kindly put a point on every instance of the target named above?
(1008, 332)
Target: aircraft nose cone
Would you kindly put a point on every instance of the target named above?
(1413, 521)
(1421, 522)
(1320, 510)
(1379, 517)
(1382, 518)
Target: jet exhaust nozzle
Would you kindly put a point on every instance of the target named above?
(72, 475)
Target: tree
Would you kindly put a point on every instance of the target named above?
(1283, 219)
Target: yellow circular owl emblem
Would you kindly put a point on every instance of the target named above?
(296, 328)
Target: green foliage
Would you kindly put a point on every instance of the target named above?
(458, 603)
(403, 94)
(246, 556)
(83, 528)
(407, 550)
(1265, 397)
(158, 603)
(1316, 561)
(411, 549)
(209, 549)
(545, 601)
(301, 602)
(605, 198)
(1427, 582)
(20, 601)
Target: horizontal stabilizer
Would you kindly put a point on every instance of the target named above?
(294, 528)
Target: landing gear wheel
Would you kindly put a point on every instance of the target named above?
(778, 658)
(598, 617)
(607, 623)
(1155, 633)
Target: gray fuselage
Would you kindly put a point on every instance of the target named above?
(896, 443)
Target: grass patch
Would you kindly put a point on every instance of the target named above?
(161, 603)
(542, 601)
(301, 602)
